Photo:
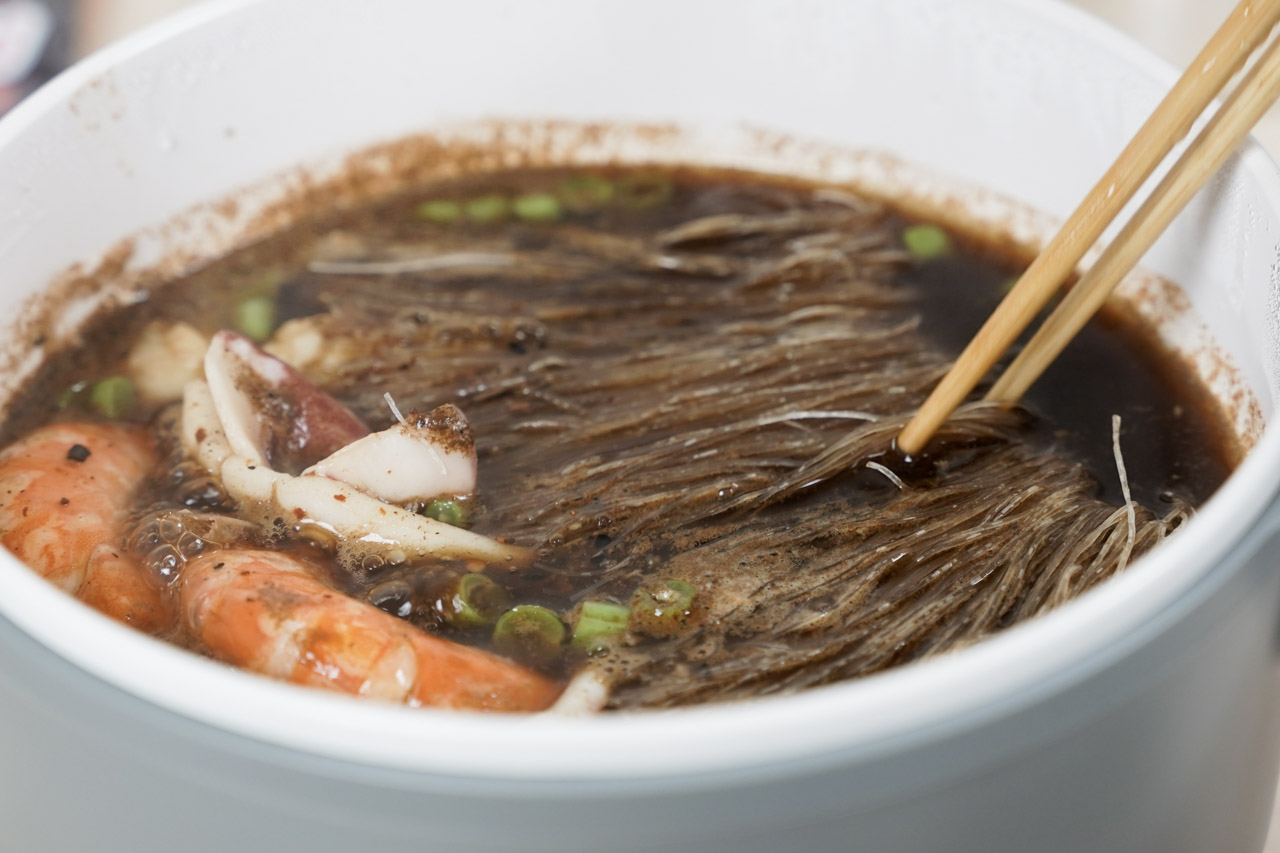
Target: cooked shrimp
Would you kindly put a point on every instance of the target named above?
(64, 490)
(264, 611)
(117, 584)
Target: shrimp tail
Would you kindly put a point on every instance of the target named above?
(265, 612)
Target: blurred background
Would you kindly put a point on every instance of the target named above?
(39, 37)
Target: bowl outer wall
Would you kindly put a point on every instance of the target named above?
(83, 162)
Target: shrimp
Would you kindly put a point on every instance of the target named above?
(265, 612)
(64, 491)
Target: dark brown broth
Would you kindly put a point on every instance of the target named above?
(1171, 441)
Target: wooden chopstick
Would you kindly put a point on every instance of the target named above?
(1226, 53)
(1202, 158)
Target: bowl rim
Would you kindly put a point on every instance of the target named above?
(922, 702)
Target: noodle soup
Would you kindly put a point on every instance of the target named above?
(674, 393)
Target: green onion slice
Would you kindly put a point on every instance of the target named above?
(663, 608)
(441, 211)
(255, 317)
(925, 241)
(486, 209)
(599, 623)
(113, 397)
(530, 634)
(536, 207)
(448, 510)
(585, 193)
(474, 601)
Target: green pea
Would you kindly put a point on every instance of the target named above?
(113, 397)
(530, 634)
(441, 211)
(536, 207)
(486, 209)
(925, 241)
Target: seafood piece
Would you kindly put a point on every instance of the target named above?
(63, 490)
(118, 584)
(363, 525)
(306, 341)
(419, 458)
(166, 357)
(586, 693)
(263, 611)
(271, 413)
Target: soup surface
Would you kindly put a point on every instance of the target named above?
(682, 388)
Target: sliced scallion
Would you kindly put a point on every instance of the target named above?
(486, 209)
(662, 608)
(441, 211)
(448, 510)
(530, 634)
(474, 601)
(113, 397)
(536, 207)
(585, 193)
(599, 623)
(925, 241)
(255, 317)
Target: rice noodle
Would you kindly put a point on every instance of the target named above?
(1124, 486)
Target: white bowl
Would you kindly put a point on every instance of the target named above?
(1142, 716)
